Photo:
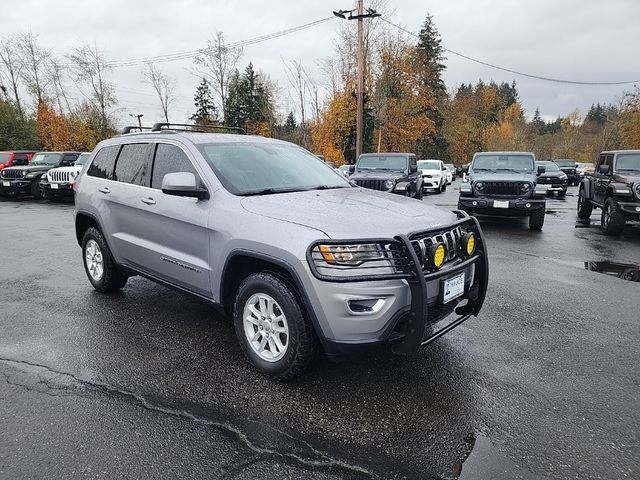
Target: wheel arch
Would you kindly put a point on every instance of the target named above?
(83, 222)
(242, 263)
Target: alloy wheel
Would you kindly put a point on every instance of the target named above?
(94, 260)
(265, 327)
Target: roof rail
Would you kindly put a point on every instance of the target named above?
(196, 128)
(134, 128)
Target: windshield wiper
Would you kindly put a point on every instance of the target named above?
(271, 190)
(327, 187)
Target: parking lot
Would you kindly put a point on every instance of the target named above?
(152, 383)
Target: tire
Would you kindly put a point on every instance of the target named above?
(562, 194)
(612, 219)
(585, 207)
(419, 194)
(301, 342)
(536, 220)
(35, 189)
(111, 279)
(444, 187)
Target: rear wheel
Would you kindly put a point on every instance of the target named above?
(99, 265)
(585, 208)
(612, 219)
(562, 193)
(536, 220)
(419, 193)
(272, 326)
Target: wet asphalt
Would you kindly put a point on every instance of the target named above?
(150, 383)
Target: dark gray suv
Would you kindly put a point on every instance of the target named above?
(300, 258)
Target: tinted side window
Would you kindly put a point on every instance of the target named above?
(103, 162)
(132, 163)
(413, 162)
(169, 159)
(69, 159)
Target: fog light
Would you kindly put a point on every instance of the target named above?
(469, 242)
(528, 205)
(438, 254)
(474, 203)
(637, 209)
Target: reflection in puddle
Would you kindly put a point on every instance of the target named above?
(485, 462)
(625, 271)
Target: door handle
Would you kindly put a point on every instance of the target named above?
(149, 201)
(104, 190)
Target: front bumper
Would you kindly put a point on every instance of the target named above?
(518, 207)
(15, 187)
(430, 183)
(53, 188)
(413, 302)
(630, 209)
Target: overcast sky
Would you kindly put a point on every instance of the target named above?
(584, 40)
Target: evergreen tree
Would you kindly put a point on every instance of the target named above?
(597, 114)
(249, 102)
(430, 58)
(538, 124)
(206, 112)
(290, 123)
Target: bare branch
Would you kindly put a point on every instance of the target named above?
(163, 86)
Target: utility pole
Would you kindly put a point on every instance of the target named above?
(138, 116)
(359, 16)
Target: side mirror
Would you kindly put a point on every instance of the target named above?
(603, 169)
(183, 184)
(413, 168)
(352, 169)
(541, 169)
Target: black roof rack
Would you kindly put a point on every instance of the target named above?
(196, 128)
(134, 128)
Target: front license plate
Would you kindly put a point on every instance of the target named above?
(6, 184)
(501, 204)
(54, 186)
(453, 288)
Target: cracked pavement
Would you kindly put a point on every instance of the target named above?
(150, 383)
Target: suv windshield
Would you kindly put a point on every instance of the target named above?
(82, 159)
(549, 166)
(516, 163)
(265, 168)
(628, 161)
(382, 162)
(428, 165)
(46, 159)
(565, 163)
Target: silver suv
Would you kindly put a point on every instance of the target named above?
(299, 257)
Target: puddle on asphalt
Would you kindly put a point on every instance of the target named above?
(624, 271)
(486, 462)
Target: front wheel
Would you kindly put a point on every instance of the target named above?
(612, 219)
(562, 193)
(35, 189)
(536, 220)
(272, 326)
(419, 194)
(585, 208)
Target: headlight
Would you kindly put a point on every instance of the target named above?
(525, 188)
(31, 174)
(351, 255)
(479, 186)
(636, 190)
(564, 176)
(389, 184)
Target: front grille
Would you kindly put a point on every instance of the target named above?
(12, 174)
(451, 238)
(511, 189)
(371, 184)
(550, 181)
(59, 176)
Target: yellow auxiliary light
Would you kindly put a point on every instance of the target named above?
(439, 255)
(469, 244)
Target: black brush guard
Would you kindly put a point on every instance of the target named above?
(418, 316)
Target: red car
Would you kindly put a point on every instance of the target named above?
(15, 158)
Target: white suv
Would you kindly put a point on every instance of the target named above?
(434, 174)
(58, 182)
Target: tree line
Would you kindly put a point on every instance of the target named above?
(407, 106)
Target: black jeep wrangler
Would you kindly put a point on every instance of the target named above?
(504, 184)
(26, 179)
(615, 188)
(388, 172)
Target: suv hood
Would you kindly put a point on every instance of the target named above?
(350, 213)
(377, 175)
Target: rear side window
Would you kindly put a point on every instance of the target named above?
(103, 162)
(169, 159)
(132, 164)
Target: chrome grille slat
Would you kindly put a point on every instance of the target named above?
(12, 174)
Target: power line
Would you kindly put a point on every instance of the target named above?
(236, 45)
(515, 72)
